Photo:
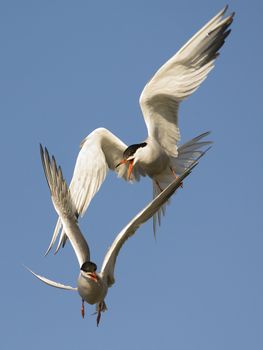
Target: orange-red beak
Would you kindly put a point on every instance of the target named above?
(130, 168)
(93, 276)
(124, 161)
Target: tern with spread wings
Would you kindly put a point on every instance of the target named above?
(159, 156)
(91, 285)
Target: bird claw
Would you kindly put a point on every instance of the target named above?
(98, 313)
(158, 185)
(101, 307)
(98, 317)
(82, 309)
(176, 176)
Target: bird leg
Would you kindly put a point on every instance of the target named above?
(82, 309)
(99, 313)
(176, 176)
(160, 188)
(100, 307)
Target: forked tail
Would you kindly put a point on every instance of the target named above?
(188, 154)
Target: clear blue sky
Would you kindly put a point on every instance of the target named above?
(68, 67)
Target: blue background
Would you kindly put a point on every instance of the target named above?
(68, 67)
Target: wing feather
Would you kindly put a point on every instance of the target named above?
(108, 265)
(62, 201)
(178, 78)
(100, 151)
(51, 283)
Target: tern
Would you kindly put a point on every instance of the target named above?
(159, 155)
(91, 285)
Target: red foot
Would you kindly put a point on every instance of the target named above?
(176, 176)
(98, 318)
(82, 309)
(157, 183)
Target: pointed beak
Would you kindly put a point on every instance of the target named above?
(123, 161)
(130, 168)
(93, 276)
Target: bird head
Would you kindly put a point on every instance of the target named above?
(129, 156)
(89, 268)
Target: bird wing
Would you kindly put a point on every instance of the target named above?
(100, 151)
(62, 201)
(178, 78)
(107, 270)
(188, 154)
(50, 282)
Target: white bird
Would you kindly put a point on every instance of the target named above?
(92, 286)
(158, 156)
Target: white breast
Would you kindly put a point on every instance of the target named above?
(91, 291)
(152, 158)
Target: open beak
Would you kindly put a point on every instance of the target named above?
(124, 161)
(93, 276)
(130, 168)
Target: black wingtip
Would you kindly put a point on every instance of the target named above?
(41, 151)
(225, 8)
(44, 155)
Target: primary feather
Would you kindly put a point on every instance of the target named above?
(177, 79)
(62, 201)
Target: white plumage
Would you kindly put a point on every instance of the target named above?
(158, 156)
(92, 286)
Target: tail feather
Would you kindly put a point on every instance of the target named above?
(188, 154)
(62, 240)
(196, 141)
(55, 235)
(161, 212)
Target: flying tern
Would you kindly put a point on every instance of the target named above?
(159, 156)
(91, 285)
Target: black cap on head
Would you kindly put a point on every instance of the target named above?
(89, 266)
(132, 149)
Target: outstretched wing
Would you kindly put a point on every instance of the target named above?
(178, 78)
(50, 282)
(108, 265)
(64, 206)
(100, 151)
